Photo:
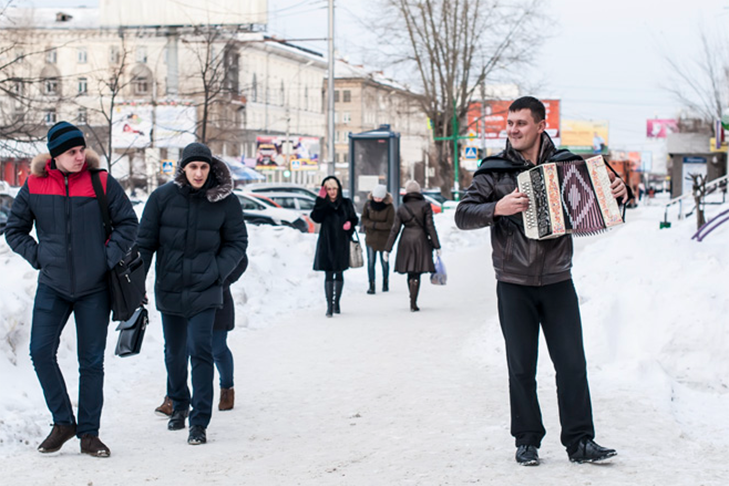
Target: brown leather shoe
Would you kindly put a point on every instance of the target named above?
(227, 399)
(165, 410)
(58, 436)
(92, 445)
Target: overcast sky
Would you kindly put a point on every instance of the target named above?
(603, 59)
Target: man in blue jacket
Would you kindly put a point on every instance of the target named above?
(74, 256)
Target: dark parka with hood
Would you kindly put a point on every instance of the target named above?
(332, 248)
(199, 237)
(516, 258)
(71, 253)
(418, 238)
(377, 220)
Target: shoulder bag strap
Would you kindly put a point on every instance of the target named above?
(103, 203)
(413, 216)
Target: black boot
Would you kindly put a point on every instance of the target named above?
(329, 292)
(414, 286)
(338, 285)
(385, 286)
(372, 288)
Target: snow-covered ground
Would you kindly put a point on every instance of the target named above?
(380, 395)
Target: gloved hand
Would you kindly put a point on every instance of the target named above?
(323, 192)
(386, 256)
(347, 225)
(437, 252)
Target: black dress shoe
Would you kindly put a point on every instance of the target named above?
(586, 450)
(527, 455)
(92, 445)
(197, 435)
(58, 436)
(177, 420)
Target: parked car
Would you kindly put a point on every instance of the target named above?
(297, 201)
(435, 194)
(256, 211)
(279, 187)
(6, 202)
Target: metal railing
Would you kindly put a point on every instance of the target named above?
(711, 187)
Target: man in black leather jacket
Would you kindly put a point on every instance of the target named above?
(534, 288)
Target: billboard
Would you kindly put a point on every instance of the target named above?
(175, 125)
(585, 136)
(136, 13)
(658, 128)
(492, 123)
(303, 153)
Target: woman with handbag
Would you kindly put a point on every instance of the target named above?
(195, 226)
(417, 242)
(74, 256)
(378, 215)
(338, 219)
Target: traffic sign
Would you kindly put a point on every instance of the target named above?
(470, 153)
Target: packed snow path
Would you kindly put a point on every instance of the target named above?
(375, 396)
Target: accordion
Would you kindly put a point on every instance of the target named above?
(571, 197)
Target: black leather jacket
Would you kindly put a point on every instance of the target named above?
(517, 259)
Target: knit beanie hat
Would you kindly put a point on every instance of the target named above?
(63, 136)
(379, 191)
(411, 186)
(196, 152)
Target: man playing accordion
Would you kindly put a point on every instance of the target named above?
(534, 287)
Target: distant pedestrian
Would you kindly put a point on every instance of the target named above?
(378, 216)
(195, 226)
(338, 219)
(74, 256)
(417, 241)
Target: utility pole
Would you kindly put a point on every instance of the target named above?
(330, 92)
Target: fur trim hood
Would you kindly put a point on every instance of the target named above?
(221, 185)
(39, 165)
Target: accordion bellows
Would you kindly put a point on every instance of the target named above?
(568, 198)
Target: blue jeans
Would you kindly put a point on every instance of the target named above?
(371, 260)
(193, 335)
(50, 314)
(223, 358)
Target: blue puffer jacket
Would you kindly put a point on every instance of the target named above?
(199, 237)
(70, 252)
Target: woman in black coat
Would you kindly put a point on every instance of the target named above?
(417, 242)
(338, 219)
(195, 226)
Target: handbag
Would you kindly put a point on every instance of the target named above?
(126, 279)
(131, 333)
(356, 259)
(439, 277)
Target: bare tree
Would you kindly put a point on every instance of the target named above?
(454, 46)
(701, 83)
(214, 80)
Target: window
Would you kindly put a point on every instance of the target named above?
(50, 86)
(254, 88)
(18, 88)
(82, 55)
(346, 117)
(283, 94)
(114, 55)
(51, 56)
(83, 86)
(286, 202)
(306, 204)
(346, 96)
(141, 85)
(82, 116)
(336, 96)
(49, 117)
(249, 204)
(142, 55)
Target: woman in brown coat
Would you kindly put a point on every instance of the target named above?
(418, 240)
(378, 215)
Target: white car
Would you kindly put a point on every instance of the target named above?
(258, 211)
(266, 187)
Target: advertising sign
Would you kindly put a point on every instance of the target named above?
(493, 121)
(175, 125)
(585, 136)
(271, 153)
(658, 128)
(131, 127)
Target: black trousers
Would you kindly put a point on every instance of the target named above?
(521, 311)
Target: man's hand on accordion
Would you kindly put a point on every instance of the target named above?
(618, 188)
(513, 203)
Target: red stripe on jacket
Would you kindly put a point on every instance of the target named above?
(79, 183)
